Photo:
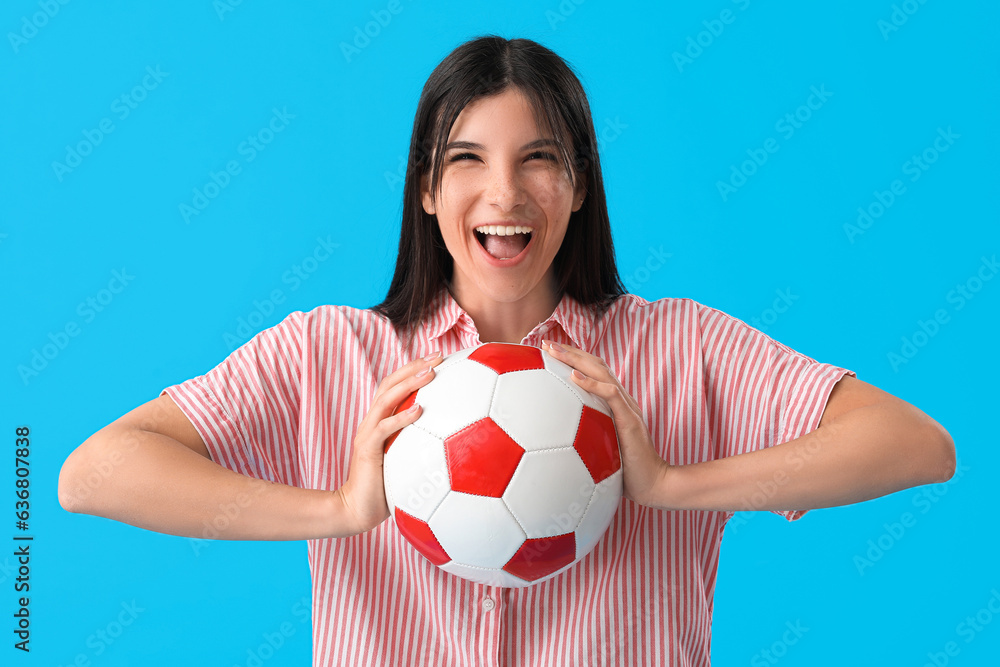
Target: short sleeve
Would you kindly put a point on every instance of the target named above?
(246, 409)
(759, 392)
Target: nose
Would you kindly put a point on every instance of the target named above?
(505, 189)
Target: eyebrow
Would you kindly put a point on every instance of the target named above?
(537, 143)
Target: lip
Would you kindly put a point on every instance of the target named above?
(504, 263)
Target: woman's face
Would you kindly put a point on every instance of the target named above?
(500, 170)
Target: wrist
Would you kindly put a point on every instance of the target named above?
(338, 519)
(326, 515)
(667, 488)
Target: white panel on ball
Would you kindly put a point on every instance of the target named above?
(416, 473)
(457, 396)
(603, 505)
(562, 371)
(536, 409)
(549, 492)
(483, 576)
(476, 530)
(455, 357)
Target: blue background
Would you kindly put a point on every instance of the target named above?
(671, 131)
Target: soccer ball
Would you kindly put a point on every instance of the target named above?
(512, 472)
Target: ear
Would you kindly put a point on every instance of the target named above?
(581, 190)
(425, 196)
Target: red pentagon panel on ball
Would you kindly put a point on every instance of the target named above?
(481, 459)
(508, 357)
(405, 405)
(419, 534)
(541, 556)
(597, 444)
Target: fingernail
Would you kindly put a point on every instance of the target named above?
(555, 346)
(424, 372)
(413, 408)
(433, 355)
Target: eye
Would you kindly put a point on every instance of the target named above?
(464, 156)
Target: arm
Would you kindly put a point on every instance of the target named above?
(151, 469)
(868, 444)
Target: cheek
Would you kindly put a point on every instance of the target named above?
(456, 192)
(552, 190)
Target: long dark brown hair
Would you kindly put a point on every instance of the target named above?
(585, 264)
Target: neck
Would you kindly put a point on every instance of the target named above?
(508, 322)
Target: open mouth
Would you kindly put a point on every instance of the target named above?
(503, 242)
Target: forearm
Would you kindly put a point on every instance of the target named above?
(866, 453)
(154, 482)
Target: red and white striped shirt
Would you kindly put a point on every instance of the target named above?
(286, 406)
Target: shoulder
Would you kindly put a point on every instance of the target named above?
(635, 311)
(344, 319)
(348, 334)
(681, 314)
(637, 324)
(683, 323)
(335, 326)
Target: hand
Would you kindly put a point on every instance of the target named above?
(363, 494)
(645, 471)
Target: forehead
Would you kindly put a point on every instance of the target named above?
(506, 115)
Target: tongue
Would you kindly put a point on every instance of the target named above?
(505, 247)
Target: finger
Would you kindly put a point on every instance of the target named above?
(411, 368)
(610, 392)
(395, 422)
(378, 438)
(624, 409)
(388, 397)
(375, 439)
(577, 358)
(590, 366)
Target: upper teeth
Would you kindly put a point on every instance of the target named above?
(501, 230)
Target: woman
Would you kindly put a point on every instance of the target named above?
(505, 237)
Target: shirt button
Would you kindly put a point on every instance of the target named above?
(489, 604)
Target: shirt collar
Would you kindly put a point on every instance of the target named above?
(575, 319)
